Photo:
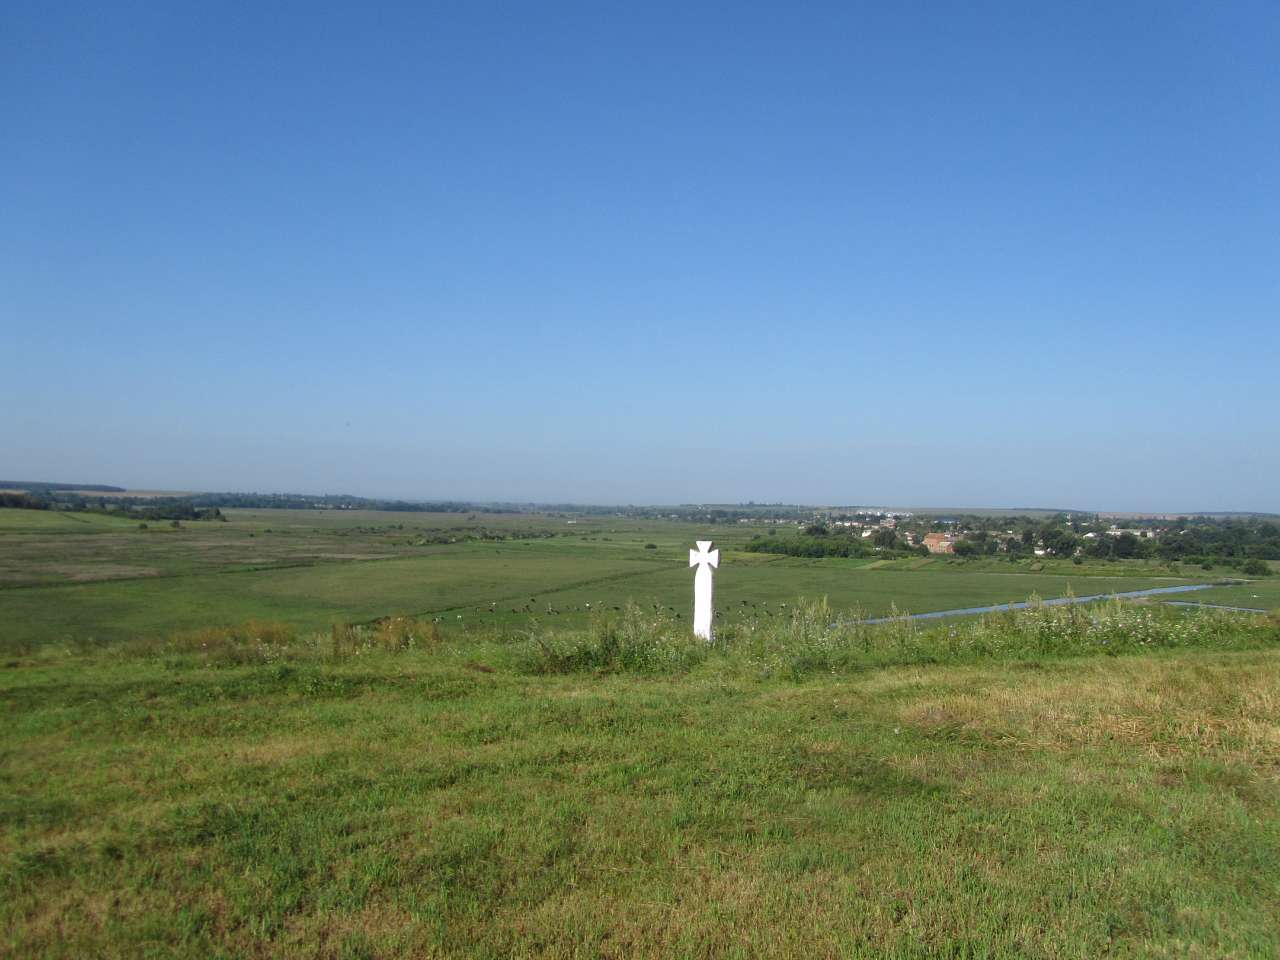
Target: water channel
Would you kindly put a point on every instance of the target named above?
(1063, 601)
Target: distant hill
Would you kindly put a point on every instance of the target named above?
(36, 486)
(1215, 514)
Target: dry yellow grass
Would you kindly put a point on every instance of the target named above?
(1222, 711)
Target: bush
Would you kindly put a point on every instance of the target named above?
(651, 546)
(1255, 568)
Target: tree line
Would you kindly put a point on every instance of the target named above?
(819, 540)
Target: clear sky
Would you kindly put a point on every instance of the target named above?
(949, 253)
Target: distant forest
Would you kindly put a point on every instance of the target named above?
(205, 506)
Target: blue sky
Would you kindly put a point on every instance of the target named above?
(961, 254)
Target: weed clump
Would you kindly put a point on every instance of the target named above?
(254, 641)
(636, 641)
(390, 634)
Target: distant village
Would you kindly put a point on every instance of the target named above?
(924, 533)
(864, 531)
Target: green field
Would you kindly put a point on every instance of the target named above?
(1258, 594)
(84, 577)
(539, 760)
(440, 802)
(58, 521)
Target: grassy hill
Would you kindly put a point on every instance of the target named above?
(1057, 783)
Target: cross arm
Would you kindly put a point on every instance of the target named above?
(704, 555)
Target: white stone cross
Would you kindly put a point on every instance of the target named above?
(704, 558)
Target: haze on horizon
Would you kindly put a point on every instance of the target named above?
(1009, 257)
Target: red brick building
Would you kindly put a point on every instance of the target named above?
(939, 542)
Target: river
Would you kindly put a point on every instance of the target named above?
(1063, 601)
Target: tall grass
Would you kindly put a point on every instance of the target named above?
(263, 642)
(806, 639)
(636, 641)
(810, 639)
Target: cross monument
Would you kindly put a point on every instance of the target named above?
(704, 558)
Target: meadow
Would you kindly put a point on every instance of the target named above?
(86, 578)
(334, 734)
(1065, 782)
(1256, 594)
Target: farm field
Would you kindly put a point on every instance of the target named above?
(84, 578)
